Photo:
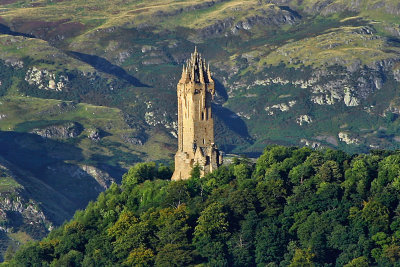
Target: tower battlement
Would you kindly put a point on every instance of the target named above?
(196, 145)
(196, 71)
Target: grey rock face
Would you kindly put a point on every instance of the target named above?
(135, 140)
(94, 135)
(18, 212)
(61, 131)
(45, 79)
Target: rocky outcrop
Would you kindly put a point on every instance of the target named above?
(393, 29)
(21, 212)
(216, 29)
(350, 100)
(60, 131)
(28, 210)
(45, 79)
(304, 119)
(270, 15)
(154, 117)
(396, 74)
(86, 173)
(283, 107)
(345, 137)
(102, 177)
(18, 212)
(328, 7)
(59, 108)
(14, 62)
(338, 86)
(312, 144)
(135, 140)
(94, 134)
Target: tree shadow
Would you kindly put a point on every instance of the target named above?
(6, 30)
(293, 12)
(105, 66)
(228, 117)
(16, 218)
(42, 166)
(221, 91)
(233, 121)
(4, 243)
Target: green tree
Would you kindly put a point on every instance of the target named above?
(271, 195)
(129, 233)
(300, 173)
(177, 193)
(173, 226)
(72, 259)
(330, 172)
(376, 216)
(139, 173)
(358, 262)
(140, 257)
(30, 256)
(271, 244)
(302, 258)
(242, 173)
(174, 255)
(211, 235)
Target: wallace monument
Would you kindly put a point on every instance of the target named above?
(195, 120)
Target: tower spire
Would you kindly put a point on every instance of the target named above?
(183, 76)
(195, 120)
(197, 69)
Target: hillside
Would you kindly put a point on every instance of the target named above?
(88, 88)
(287, 73)
(293, 207)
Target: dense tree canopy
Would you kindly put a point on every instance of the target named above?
(293, 207)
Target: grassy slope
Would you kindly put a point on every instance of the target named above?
(311, 43)
(105, 27)
(25, 114)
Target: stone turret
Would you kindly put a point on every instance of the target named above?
(196, 145)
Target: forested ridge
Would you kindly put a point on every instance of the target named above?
(293, 207)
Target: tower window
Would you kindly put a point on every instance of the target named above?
(202, 116)
(204, 141)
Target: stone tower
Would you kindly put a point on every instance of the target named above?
(195, 120)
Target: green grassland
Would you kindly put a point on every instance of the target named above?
(133, 13)
(27, 113)
(7, 182)
(50, 58)
(344, 46)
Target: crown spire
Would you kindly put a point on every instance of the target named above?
(196, 69)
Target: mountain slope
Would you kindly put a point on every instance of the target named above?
(339, 52)
(96, 80)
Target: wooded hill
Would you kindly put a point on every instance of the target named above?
(293, 207)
